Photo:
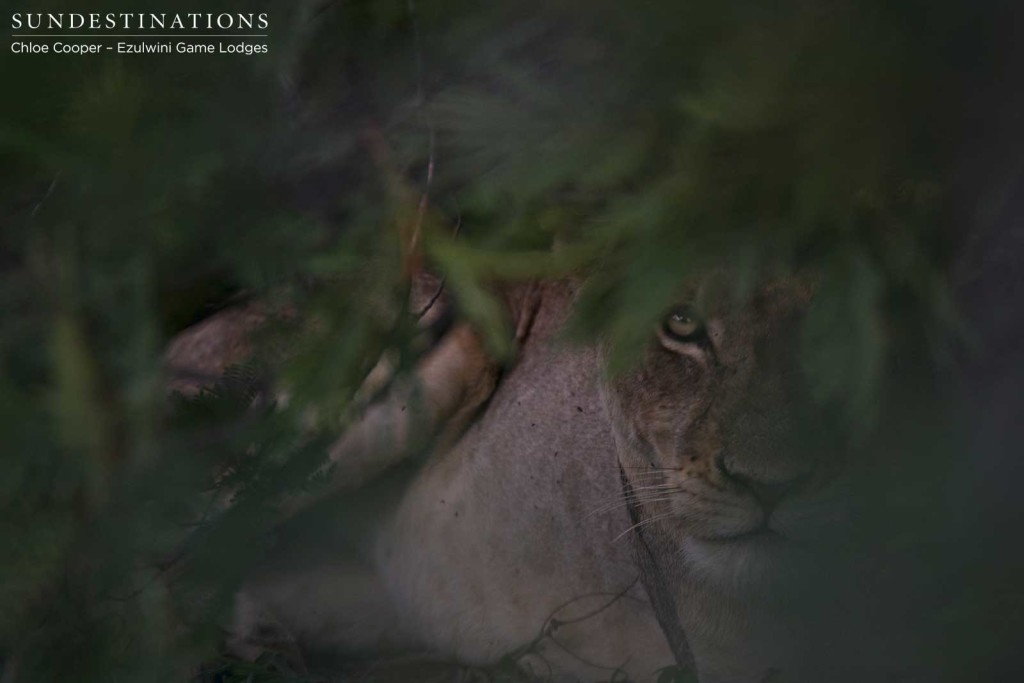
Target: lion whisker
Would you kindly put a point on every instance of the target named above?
(650, 497)
(649, 467)
(638, 502)
(649, 487)
(645, 522)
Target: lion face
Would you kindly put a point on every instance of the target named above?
(719, 443)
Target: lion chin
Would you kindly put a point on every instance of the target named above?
(754, 561)
(775, 556)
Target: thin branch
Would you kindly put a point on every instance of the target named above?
(49, 191)
(440, 287)
(424, 203)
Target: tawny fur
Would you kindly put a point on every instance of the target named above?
(517, 516)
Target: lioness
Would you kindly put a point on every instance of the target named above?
(591, 526)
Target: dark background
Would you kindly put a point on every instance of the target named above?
(878, 143)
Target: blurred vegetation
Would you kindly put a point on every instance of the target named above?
(635, 144)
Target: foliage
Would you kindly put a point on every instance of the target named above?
(636, 145)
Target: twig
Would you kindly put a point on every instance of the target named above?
(551, 624)
(440, 287)
(424, 203)
(49, 191)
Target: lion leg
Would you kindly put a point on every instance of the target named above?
(432, 407)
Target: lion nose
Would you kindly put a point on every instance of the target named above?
(768, 493)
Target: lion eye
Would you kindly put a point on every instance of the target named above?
(684, 325)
